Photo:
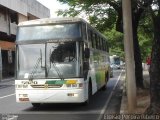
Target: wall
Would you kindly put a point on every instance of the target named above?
(37, 9)
(22, 18)
(15, 5)
(4, 20)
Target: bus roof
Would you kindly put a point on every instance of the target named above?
(44, 21)
(50, 21)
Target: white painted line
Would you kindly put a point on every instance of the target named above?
(7, 96)
(109, 98)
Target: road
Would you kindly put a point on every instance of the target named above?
(18, 111)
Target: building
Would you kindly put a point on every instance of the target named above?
(11, 13)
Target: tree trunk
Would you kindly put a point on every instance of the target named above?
(137, 58)
(137, 53)
(155, 71)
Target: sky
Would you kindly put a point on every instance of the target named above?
(53, 5)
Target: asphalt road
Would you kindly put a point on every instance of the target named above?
(10, 110)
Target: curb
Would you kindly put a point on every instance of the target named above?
(123, 105)
(124, 101)
(124, 97)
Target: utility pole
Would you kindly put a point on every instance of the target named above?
(129, 55)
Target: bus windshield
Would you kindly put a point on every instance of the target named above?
(43, 32)
(49, 60)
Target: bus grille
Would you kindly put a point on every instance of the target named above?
(46, 86)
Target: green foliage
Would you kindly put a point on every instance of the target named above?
(145, 46)
(103, 15)
(145, 36)
(104, 23)
(115, 40)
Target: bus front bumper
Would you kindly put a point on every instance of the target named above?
(51, 96)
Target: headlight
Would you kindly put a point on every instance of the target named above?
(71, 81)
(74, 85)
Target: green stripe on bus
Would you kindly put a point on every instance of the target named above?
(56, 82)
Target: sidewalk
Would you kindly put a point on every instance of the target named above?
(143, 97)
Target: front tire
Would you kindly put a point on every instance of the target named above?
(36, 105)
(89, 94)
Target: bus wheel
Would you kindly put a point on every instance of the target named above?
(106, 79)
(36, 105)
(89, 94)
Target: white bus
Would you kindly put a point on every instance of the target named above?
(59, 61)
(115, 62)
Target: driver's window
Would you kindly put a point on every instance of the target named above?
(62, 52)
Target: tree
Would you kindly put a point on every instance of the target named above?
(145, 35)
(100, 12)
(138, 8)
(96, 9)
(115, 40)
(155, 61)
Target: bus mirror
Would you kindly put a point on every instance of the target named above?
(87, 52)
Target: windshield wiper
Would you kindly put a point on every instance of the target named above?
(34, 69)
(58, 71)
(39, 60)
(56, 68)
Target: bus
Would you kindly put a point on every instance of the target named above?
(62, 60)
(115, 62)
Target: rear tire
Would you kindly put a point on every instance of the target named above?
(106, 80)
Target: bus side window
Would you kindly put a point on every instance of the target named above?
(90, 38)
(84, 32)
(101, 45)
(96, 39)
(107, 46)
(99, 41)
